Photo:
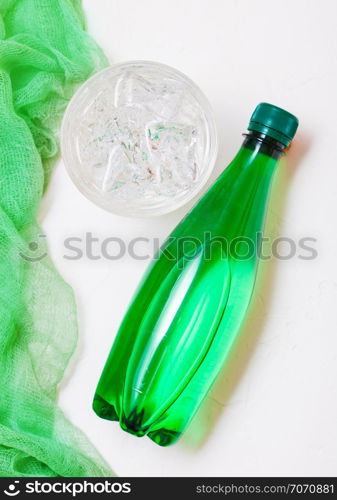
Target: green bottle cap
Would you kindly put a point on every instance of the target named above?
(274, 122)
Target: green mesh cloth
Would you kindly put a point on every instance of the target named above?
(44, 54)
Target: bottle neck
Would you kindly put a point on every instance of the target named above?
(260, 143)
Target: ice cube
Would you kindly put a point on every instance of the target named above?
(133, 90)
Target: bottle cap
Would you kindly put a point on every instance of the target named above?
(274, 122)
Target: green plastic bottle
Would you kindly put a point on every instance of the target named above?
(187, 312)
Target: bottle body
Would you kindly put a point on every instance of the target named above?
(187, 312)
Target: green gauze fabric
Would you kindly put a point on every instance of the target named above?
(44, 54)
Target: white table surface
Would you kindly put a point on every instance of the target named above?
(274, 411)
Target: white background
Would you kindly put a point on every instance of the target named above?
(274, 410)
